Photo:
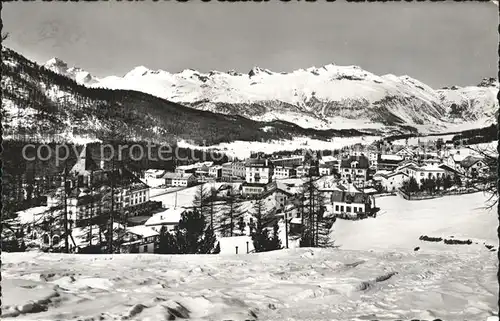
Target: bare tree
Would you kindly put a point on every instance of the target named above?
(488, 180)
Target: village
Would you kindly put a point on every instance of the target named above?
(140, 207)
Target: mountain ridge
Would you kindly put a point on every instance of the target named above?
(40, 102)
(324, 97)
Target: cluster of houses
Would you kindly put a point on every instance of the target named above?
(345, 180)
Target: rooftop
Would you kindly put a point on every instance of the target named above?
(168, 216)
(142, 230)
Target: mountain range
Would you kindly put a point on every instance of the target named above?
(328, 97)
(210, 108)
(55, 102)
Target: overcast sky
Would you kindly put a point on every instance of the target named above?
(438, 43)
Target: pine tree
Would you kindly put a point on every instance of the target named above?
(251, 227)
(241, 225)
(231, 215)
(208, 245)
(191, 230)
(324, 230)
(447, 182)
(439, 183)
(167, 243)
(260, 238)
(275, 242)
(309, 202)
(201, 199)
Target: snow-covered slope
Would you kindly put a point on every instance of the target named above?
(327, 97)
(374, 275)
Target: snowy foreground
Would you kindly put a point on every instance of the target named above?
(375, 274)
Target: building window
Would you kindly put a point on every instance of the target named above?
(348, 209)
(336, 208)
(342, 208)
(145, 249)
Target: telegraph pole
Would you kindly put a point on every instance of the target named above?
(66, 231)
(286, 227)
(110, 232)
(91, 204)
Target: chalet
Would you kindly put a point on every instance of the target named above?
(351, 201)
(168, 218)
(203, 170)
(281, 172)
(258, 171)
(406, 153)
(139, 239)
(474, 166)
(179, 180)
(391, 181)
(355, 169)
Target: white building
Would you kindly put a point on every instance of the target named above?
(258, 171)
(351, 201)
(168, 218)
(325, 170)
(281, 172)
(215, 171)
(355, 169)
(392, 181)
(407, 153)
(179, 180)
(425, 172)
(302, 171)
(140, 239)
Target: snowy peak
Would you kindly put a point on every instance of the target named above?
(79, 75)
(259, 71)
(137, 72)
(56, 63)
(326, 97)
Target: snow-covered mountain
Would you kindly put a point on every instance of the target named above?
(327, 97)
(51, 102)
(82, 77)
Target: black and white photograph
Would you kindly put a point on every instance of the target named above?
(249, 160)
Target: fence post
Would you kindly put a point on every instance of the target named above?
(236, 250)
(247, 247)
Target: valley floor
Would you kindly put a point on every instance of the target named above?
(374, 274)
